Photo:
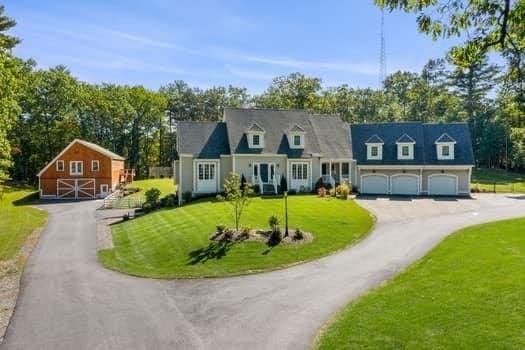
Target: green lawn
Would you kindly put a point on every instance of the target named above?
(506, 182)
(17, 221)
(468, 293)
(165, 186)
(175, 243)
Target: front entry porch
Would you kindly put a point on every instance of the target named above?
(335, 172)
(264, 176)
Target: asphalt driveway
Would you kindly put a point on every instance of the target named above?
(68, 301)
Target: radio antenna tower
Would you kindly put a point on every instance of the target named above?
(382, 53)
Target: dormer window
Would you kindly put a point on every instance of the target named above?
(374, 148)
(445, 147)
(255, 136)
(405, 147)
(296, 136)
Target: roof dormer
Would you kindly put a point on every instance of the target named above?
(405, 147)
(296, 136)
(374, 148)
(255, 135)
(445, 147)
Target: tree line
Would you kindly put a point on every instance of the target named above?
(42, 110)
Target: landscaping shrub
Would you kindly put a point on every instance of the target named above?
(228, 235)
(187, 196)
(245, 233)
(274, 222)
(344, 190)
(275, 236)
(169, 201)
(298, 234)
(147, 207)
(152, 196)
(292, 192)
(125, 217)
(283, 186)
(243, 181)
(332, 192)
(321, 191)
(221, 228)
(319, 184)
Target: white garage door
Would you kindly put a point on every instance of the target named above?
(374, 184)
(442, 185)
(405, 184)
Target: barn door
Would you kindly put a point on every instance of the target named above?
(85, 188)
(76, 188)
(66, 188)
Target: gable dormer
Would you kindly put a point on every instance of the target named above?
(405, 147)
(296, 136)
(255, 135)
(445, 147)
(374, 148)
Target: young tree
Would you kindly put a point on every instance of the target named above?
(238, 197)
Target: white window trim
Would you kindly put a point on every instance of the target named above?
(217, 173)
(439, 150)
(250, 135)
(71, 168)
(400, 146)
(101, 188)
(63, 165)
(369, 155)
(291, 139)
(95, 162)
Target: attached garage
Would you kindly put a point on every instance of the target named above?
(443, 185)
(374, 184)
(404, 184)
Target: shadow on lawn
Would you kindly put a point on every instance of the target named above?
(214, 250)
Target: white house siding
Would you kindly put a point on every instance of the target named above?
(463, 179)
(187, 174)
(176, 172)
(315, 171)
(226, 169)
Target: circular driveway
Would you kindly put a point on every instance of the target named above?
(69, 301)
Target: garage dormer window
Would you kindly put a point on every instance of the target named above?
(445, 147)
(255, 136)
(374, 148)
(296, 136)
(405, 147)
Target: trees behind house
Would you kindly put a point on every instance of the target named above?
(42, 110)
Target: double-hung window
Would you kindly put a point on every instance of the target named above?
(76, 167)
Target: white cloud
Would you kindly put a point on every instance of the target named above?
(150, 42)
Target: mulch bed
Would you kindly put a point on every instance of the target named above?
(265, 236)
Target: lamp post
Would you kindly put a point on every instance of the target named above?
(286, 213)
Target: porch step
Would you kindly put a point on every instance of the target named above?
(268, 189)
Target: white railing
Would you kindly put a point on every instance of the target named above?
(256, 180)
(276, 182)
(328, 179)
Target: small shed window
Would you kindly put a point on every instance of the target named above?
(60, 165)
(95, 165)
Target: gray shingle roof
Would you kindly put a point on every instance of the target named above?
(255, 127)
(202, 139)
(323, 134)
(405, 139)
(424, 136)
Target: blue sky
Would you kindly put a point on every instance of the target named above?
(207, 43)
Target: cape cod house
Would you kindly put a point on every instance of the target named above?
(264, 145)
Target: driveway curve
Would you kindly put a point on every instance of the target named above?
(69, 301)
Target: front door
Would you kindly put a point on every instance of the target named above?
(264, 173)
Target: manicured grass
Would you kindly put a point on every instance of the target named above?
(506, 182)
(17, 221)
(165, 186)
(175, 243)
(468, 293)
